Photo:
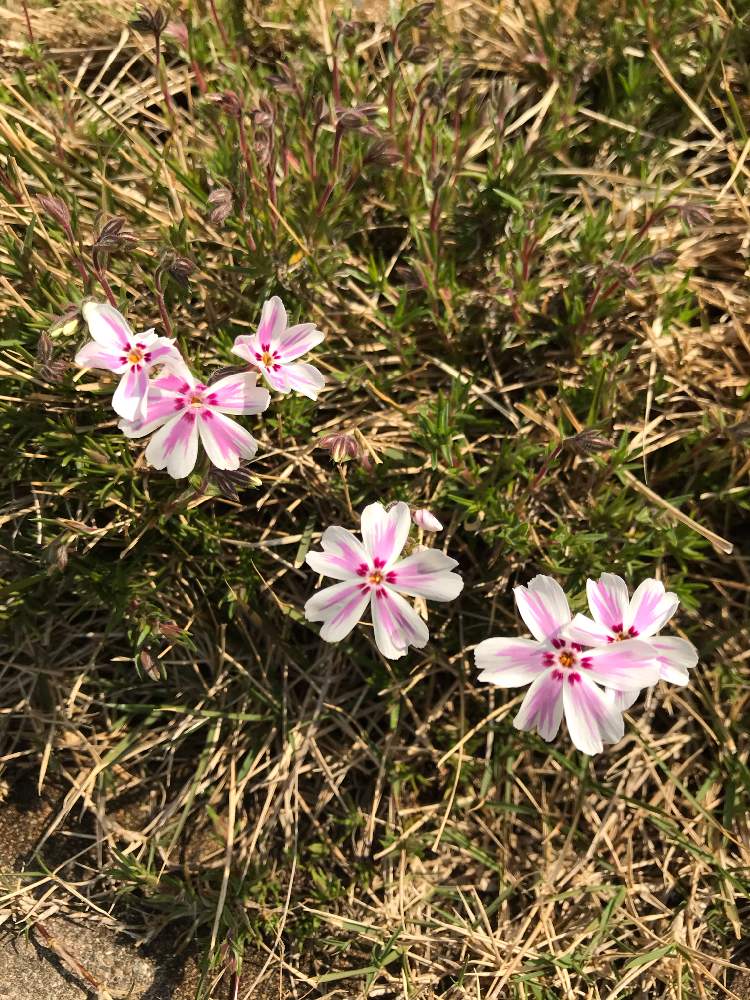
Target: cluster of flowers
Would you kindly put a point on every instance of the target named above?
(158, 393)
(588, 669)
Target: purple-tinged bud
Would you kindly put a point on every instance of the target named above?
(341, 446)
(114, 236)
(56, 208)
(228, 101)
(177, 29)
(426, 520)
(382, 153)
(695, 214)
(220, 206)
(153, 19)
(588, 442)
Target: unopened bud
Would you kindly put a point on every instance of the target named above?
(230, 482)
(416, 17)
(695, 214)
(341, 446)
(153, 19)
(228, 102)
(179, 268)
(56, 208)
(114, 236)
(148, 664)
(220, 206)
(354, 118)
(587, 442)
(177, 29)
(426, 520)
(170, 630)
(382, 153)
(66, 323)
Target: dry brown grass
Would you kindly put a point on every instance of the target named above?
(365, 829)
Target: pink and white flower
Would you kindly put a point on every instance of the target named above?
(182, 410)
(426, 520)
(275, 346)
(117, 349)
(617, 617)
(565, 677)
(371, 573)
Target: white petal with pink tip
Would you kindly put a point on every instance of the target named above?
(592, 719)
(340, 608)
(624, 666)
(509, 662)
(397, 625)
(107, 325)
(543, 606)
(174, 446)
(542, 706)
(342, 557)
(608, 600)
(650, 608)
(427, 574)
(225, 441)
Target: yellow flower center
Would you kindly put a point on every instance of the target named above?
(267, 359)
(135, 356)
(376, 577)
(196, 401)
(566, 659)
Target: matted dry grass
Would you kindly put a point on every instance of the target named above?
(359, 828)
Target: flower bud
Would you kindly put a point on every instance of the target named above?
(153, 19)
(56, 208)
(588, 442)
(341, 446)
(177, 30)
(426, 520)
(229, 102)
(179, 268)
(220, 206)
(67, 322)
(382, 153)
(114, 236)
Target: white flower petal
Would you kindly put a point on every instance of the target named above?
(624, 666)
(587, 632)
(608, 600)
(107, 326)
(676, 657)
(510, 662)
(426, 574)
(174, 446)
(340, 607)
(343, 556)
(397, 625)
(384, 533)
(650, 608)
(543, 606)
(542, 707)
(592, 719)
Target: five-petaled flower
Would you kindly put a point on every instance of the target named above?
(117, 349)
(275, 346)
(371, 573)
(181, 410)
(565, 676)
(616, 617)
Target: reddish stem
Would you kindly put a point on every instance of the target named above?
(219, 25)
(162, 305)
(162, 78)
(32, 40)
